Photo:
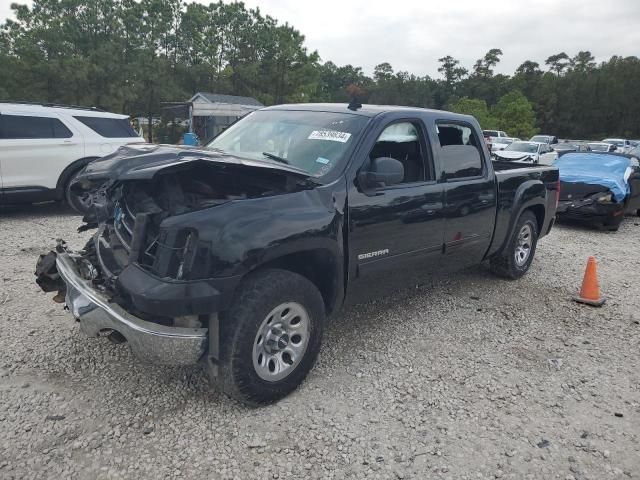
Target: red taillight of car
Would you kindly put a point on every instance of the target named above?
(557, 192)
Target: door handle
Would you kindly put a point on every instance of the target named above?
(69, 142)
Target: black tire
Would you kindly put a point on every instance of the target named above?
(504, 264)
(612, 224)
(638, 212)
(80, 202)
(258, 296)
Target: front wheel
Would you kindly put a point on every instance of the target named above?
(80, 201)
(514, 261)
(270, 337)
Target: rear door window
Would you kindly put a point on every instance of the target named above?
(459, 151)
(109, 127)
(31, 127)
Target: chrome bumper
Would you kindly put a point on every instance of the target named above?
(149, 341)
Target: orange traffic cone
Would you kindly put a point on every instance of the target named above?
(590, 291)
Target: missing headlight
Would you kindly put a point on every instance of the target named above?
(186, 256)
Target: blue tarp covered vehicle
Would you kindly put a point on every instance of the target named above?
(598, 187)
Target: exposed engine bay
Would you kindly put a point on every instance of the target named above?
(129, 215)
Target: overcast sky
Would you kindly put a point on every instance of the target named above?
(412, 34)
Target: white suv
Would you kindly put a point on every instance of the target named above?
(43, 147)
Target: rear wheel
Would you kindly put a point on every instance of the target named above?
(79, 201)
(514, 261)
(270, 337)
(612, 224)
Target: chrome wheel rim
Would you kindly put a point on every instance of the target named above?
(523, 245)
(281, 341)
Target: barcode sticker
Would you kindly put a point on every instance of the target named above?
(332, 135)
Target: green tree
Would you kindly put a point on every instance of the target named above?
(451, 70)
(514, 114)
(476, 107)
(132, 55)
(583, 62)
(558, 62)
(485, 65)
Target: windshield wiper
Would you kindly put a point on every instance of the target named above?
(276, 158)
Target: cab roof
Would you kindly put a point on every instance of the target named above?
(366, 110)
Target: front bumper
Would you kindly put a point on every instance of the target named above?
(590, 212)
(150, 342)
(588, 209)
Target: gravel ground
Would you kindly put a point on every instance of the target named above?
(468, 377)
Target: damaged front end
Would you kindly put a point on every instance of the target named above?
(100, 316)
(148, 274)
(589, 203)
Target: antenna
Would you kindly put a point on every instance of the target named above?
(354, 104)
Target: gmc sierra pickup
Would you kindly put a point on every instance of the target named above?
(234, 254)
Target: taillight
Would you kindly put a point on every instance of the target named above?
(557, 192)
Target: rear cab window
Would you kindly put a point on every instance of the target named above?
(459, 151)
(15, 127)
(108, 127)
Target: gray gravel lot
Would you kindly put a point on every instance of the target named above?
(468, 377)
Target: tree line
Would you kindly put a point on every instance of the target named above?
(130, 56)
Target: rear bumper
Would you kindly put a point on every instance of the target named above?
(149, 341)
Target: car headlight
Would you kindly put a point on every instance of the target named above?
(607, 198)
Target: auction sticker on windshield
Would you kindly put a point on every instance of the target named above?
(332, 135)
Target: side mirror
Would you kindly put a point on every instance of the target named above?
(382, 172)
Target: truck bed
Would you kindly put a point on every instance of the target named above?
(502, 165)
(516, 186)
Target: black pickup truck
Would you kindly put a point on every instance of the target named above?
(234, 254)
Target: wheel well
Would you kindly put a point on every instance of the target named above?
(69, 170)
(318, 266)
(538, 211)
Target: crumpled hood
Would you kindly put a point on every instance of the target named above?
(143, 161)
(513, 155)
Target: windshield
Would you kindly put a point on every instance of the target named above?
(599, 147)
(313, 141)
(540, 138)
(522, 147)
(490, 133)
